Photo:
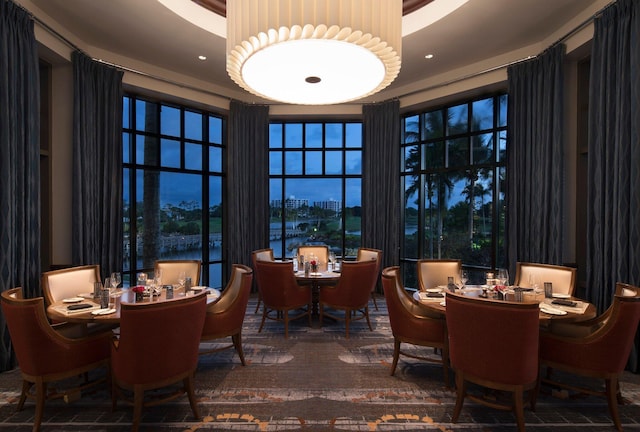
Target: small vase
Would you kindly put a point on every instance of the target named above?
(314, 268)
(139, 296)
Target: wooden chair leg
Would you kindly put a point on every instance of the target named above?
(366, 315)
(41, 395)
(461, 391)
(237, 343)
(611, 385)
(259, 301)
(26, 386)
(138, 400)
(518, 408)
(396, 355)
(188, 386)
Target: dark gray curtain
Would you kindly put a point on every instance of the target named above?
(535, 160)
(19, 161)
(381, 180)
(248, 183)
(97, 165)
(613, 219)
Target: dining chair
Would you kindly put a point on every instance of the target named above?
(171, 270)
(260, 255)
(365, 254)
(46, 356)
(435, 272)
(321, 252)
(225, 317)
(157, 348)
(281, 294)
(413, 324)
(69, 282)
(563, 278)
(351, 294)
(493, 344)
(596, 349)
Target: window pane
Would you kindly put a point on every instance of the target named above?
(215, 130)
(353, 137)
(434, 155)
(193, 156)
(147, 150)
(313, 162)
(215, 159)
(126, 147)
(411, 132)
(126, 113)
(482, 114)
(353, 160)
(433, 125)
(457, 152)
(458, 119)
(170, 153)
(333, 135)
(313, 138)
(293, 162)
(293, 135)
(215, 276)
(215, 218)
(502, 146)
(147, 116)
(170, 121)
(482, 148)
(275, 162)
(275, 135)
(411, 158)
(411, 200)
(502, 111)
(334, 162)
(193, 125)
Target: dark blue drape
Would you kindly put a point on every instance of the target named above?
(535, 160)
(381, 180)
(97, 165)
(613, 219)
(248, 182)
(19, 161)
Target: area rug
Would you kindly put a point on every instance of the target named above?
(317, 380)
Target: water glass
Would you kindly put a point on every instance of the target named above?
(518, 294)
(115, 279)
(548, 290)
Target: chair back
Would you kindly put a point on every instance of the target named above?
(563, 278)
(228, 312)
(171, 270)
(158, 340)
(40, 350)
(320, 252)
(278, 286)
(366, 254)
(493, 341)
(435, 272)
(353, 290)
(69, 282)
(261, 255)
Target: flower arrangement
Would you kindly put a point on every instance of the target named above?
(314, 266)
(139, 291)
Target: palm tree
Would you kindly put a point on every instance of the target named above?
(151, 190)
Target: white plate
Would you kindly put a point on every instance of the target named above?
(552, 311)
(198, 288)
(103, 311)
(561, 296)
(433, 290)
(72, 300)
(86, 295)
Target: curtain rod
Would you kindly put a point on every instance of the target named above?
(572, 32)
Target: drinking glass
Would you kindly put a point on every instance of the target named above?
(115, 279)
(332, 261)
(503, 277)
(464, 277)
(533, 282)
(182, 277)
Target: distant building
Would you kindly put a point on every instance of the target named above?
(290, 203)
(333, 205)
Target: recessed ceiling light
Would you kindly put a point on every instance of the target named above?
(201, 57)
(429, 56)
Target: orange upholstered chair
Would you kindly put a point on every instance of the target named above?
(321, 252)
(494, 345)
(260, 255)
(365, 254)
(601, 350)
(351, 294)
(281, 293)
(44, 355)
(69, 282)
(171, 269)
(157, 347)
(563, 278)
(225, 317)
(435, 272)
(412, 323)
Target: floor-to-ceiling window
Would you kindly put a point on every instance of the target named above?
(315, 171)
(173, 184)
(453, 174)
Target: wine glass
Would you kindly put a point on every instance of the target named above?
(464, 277)
(332, 260)
(533, 282)
(116, 279)
(503, 277)
(182, 277)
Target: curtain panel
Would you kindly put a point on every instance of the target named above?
(97, 200)
(613, 219)
(534, 185)
(381, 179)
(20, 161)
(248, 183)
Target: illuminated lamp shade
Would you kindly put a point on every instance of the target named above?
(314, 52)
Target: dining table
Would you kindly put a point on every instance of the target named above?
(559, 307)
(315, 280)
(85, 309)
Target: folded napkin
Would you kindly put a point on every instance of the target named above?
(103, 311)
(551, 310)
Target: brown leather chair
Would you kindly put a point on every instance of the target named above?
(157, 347)
(351, 294)
(69, 282)
(412, 323)
(225, 317)
(365, 254)
(321, 252)
(260, 255)
(171, 270)
(44, 355)
(281, 293)
(494, 345)
(435, 272)
(600, 348)
(563, 278)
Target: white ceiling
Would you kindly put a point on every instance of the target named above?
(145, 36)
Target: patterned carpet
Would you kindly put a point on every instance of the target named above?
(315, 381)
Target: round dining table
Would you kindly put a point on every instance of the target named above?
(92, 313)
(315, 280)
(435, 300)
